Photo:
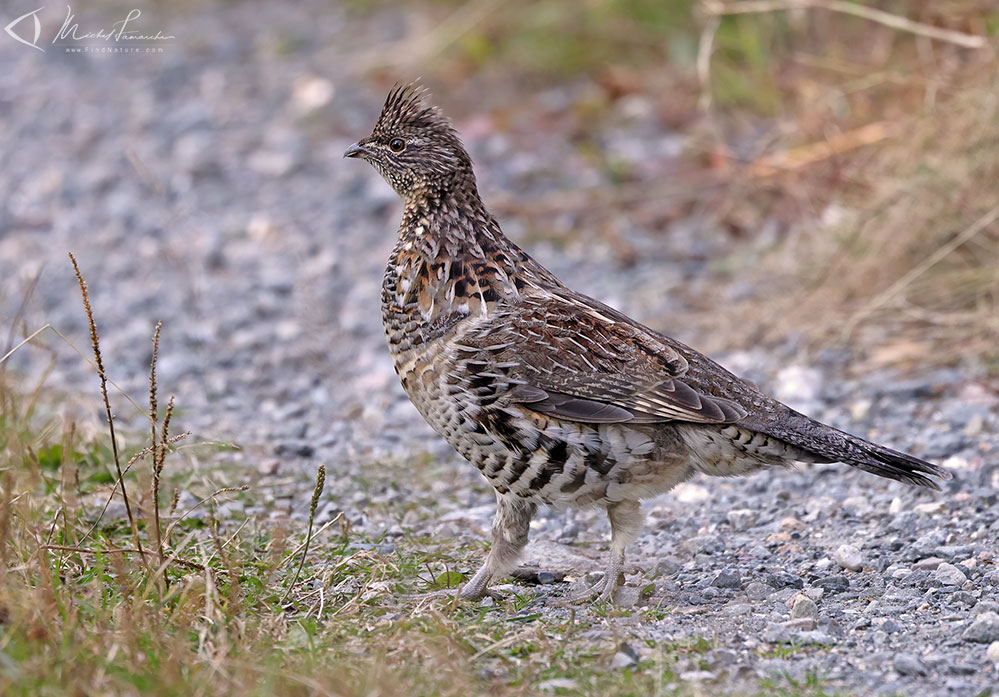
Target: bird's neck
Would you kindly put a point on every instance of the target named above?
(451, 261)
(447, 222)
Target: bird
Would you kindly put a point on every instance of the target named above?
(557, 398)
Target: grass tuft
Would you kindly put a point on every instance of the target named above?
(96, 345)
(316, 493)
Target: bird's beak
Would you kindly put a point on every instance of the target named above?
(356, 150)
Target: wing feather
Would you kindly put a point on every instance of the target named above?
(634, 376)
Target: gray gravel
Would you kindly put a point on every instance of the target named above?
(204, 187)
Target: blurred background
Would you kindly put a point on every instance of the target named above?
(779, 182)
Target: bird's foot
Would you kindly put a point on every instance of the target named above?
(472, 594)
(602, 591)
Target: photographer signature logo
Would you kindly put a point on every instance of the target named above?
(120, 37)
(38, 29)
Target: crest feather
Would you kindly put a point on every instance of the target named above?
(406, 107)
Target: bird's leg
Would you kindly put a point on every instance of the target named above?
(626, 523)
(510, 529)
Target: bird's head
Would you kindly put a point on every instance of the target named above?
(415, 147)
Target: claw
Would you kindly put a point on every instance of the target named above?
(602, 590)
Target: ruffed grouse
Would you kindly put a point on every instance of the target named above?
(555, 397)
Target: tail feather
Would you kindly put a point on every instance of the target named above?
(838, 446)
(896, 465)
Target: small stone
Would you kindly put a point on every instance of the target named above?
(558, 684)
(269, 467)
(802, 607)
(780, 580)
(758, 591)
(928, 564)
(890, 626)
(667, 566)
(856, 506)
(907, 664)
(722, 658)
(949, 575)
(983, 606)
(310, 93)
(904, 522)
(800, 387)
(626, 656)
(737, 609)
(816, 637)
(984, 629)
(860, 409)
(626, 596)
(931, 508)
(545, 578)
(776, 634)
(833, 584)
(849, 557)
(697, 676)
(802, 624)
(727, 579)
(992, 653)
(791, 525)
(975, 425)
(962, 598)
(742, 518)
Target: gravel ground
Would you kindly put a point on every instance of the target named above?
(204, 187)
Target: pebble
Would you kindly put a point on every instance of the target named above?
(992, 653)
(849, 557)
(792, 525)
(931, 508)
(723, 658)
(817, 637)
(727, 579)
(984, 629)
(626, 656)
(783, 580)
(928, 564)
(907, 664)
(801, 624)
(742, 518)
(833, 584)
(800, 387)
(558, 684)
(758, 591)
(626, 596)
(776, 634)
(983, 606)
(890, 626)
(803, 607)
(667, 566)
(949, 575)
(697, 676)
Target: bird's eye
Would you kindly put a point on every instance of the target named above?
(397, 144)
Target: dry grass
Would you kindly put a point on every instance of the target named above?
(909, 268)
